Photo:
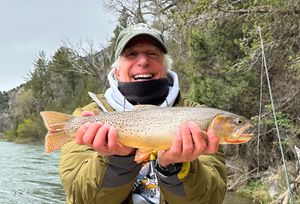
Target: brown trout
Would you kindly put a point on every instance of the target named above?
(149, 129)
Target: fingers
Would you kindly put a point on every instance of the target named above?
(174, 152)
(102, 138)
(89, 135)
(189, 142)
(213, 142)
(112, 139)
(182, 148)
(80, 133)
(204, 142)
(199, 138)
(82, 130)
(87, 113)
(176, 147)
(106, 140)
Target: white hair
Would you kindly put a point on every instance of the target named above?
(167, 62)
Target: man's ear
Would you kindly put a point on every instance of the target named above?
(117, 73)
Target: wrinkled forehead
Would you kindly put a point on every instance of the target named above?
(143, 40)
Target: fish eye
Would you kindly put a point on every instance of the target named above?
(238, 121)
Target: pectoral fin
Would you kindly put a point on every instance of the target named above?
(142, 155)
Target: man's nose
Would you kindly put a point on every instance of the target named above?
(143, 60)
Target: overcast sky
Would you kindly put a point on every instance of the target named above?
(28, 27)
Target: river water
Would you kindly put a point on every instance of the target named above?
(28, 175)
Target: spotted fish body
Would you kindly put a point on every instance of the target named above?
(151, 128)
(148, 128)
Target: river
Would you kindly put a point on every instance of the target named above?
(28, 175)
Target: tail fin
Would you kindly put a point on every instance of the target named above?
(55, 124)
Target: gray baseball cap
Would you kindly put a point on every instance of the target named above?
(138, 29)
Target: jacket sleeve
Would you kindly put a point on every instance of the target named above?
(88, 177)
(200, 181)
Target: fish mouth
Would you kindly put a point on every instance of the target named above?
(242, 135)
(245, 133)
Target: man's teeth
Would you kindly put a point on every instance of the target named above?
(143, 76)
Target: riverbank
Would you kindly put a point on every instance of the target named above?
(22, 141)
(268, 186)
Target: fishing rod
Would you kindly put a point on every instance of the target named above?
(264, 61)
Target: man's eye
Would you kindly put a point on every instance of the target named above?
(152, 54)
(131, 54)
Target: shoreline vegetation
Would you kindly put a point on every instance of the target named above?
(220, 58)
(27, 140)
(22, 141)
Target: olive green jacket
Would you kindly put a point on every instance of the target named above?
(91, 178)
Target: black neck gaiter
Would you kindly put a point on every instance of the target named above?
(145, 92)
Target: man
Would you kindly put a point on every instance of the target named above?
(98, 169)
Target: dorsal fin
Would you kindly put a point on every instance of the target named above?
(97, 101)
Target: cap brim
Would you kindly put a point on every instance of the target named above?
(124, 42)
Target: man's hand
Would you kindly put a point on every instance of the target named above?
(189, 142)
(101, 137)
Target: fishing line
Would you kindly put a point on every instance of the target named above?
(168, 105)
(259, 114)
(274, 116)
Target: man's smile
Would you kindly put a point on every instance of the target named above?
(141, 77)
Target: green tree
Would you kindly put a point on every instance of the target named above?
(39, 82)
(64, 80)
(27, 130)
(3, 101)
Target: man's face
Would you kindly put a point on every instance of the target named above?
(140, 61)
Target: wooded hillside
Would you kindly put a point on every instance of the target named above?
(218, 53)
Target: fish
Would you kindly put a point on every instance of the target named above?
(149, 128)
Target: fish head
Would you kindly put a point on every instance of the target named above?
(232, 129)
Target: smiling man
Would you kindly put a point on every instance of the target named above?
(98, 169)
